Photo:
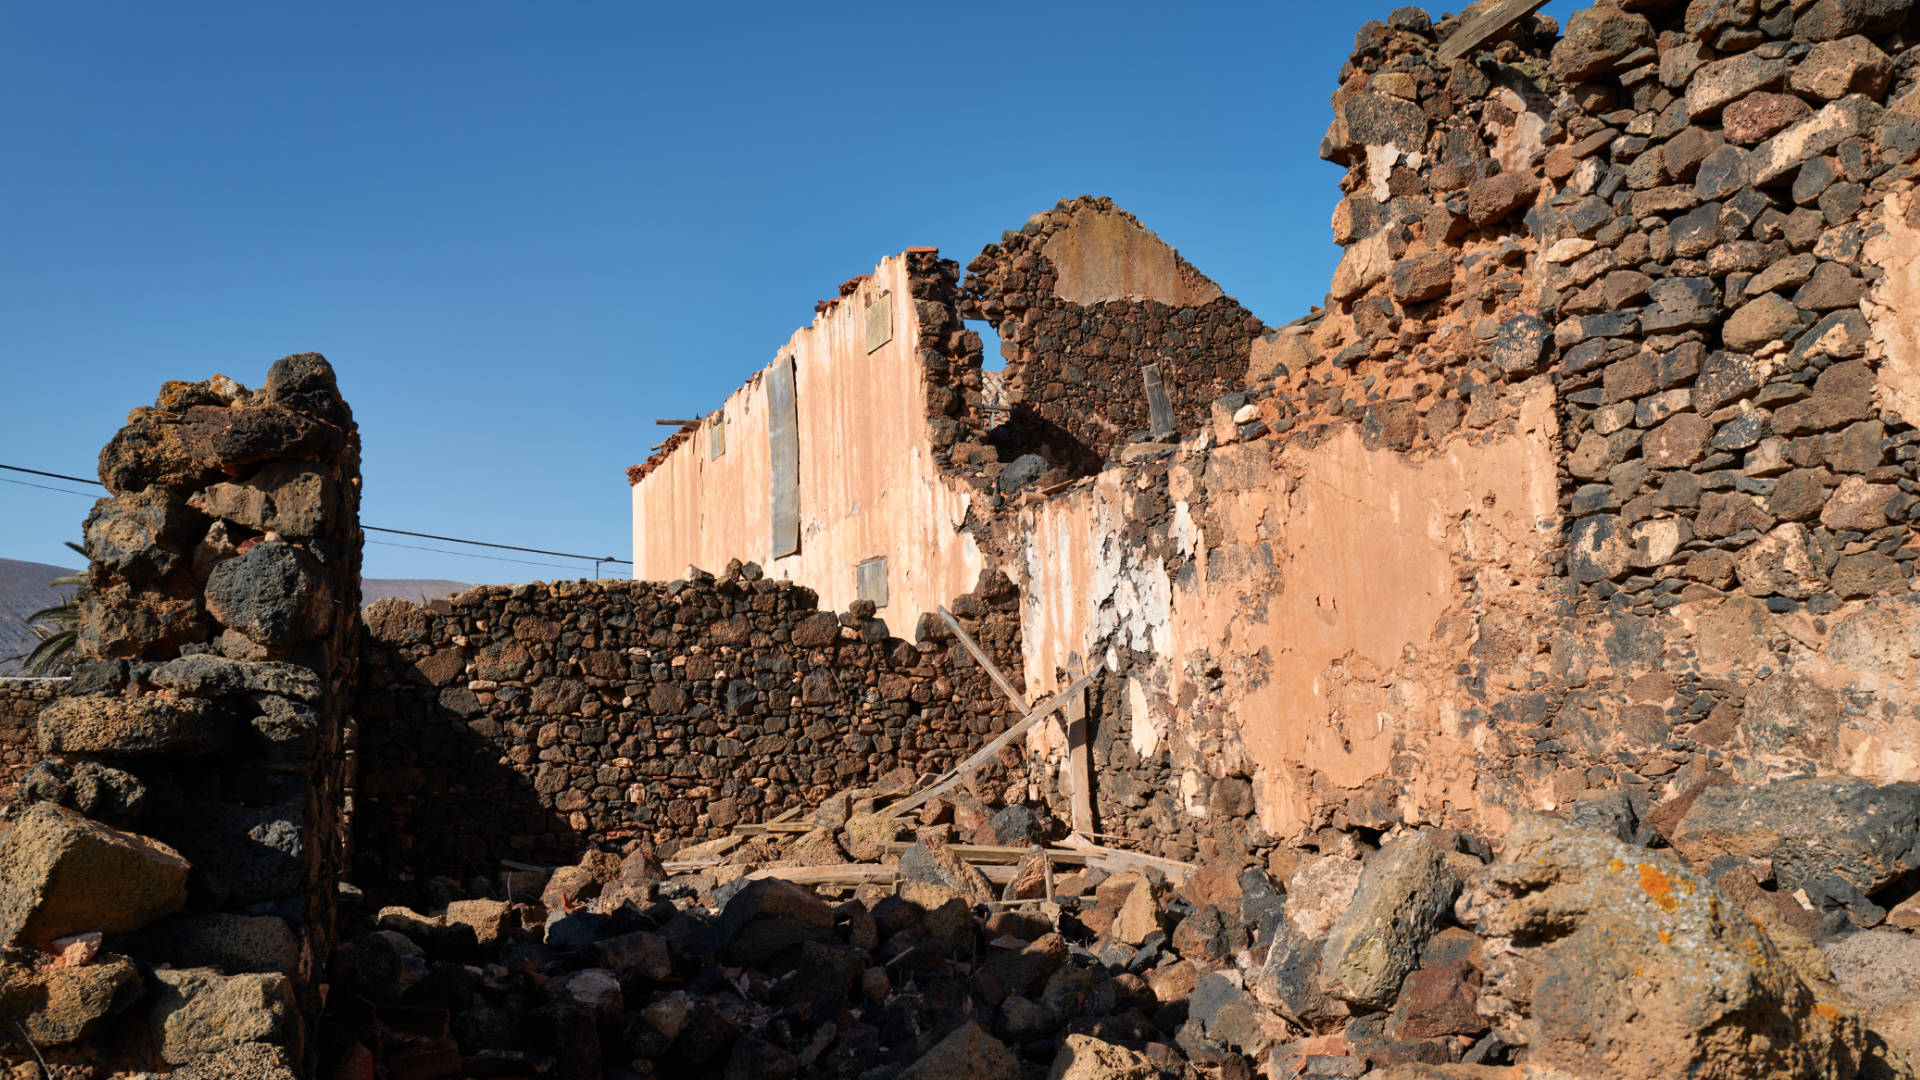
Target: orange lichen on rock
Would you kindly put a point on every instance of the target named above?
(1658, 886)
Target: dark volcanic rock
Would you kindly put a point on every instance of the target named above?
(1812, 829)
(273, 593)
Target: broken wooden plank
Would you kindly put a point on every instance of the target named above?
(711, 848)
(980, 656)
(1072, 852)
(842, 874)
(676, 867)
(985, 753)
(857, 874)
(1001, 855)
(1483, 28)
(785, 815)
(1079, 762)
(794, 828)
(1116, 860)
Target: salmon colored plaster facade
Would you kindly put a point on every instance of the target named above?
(868, 486)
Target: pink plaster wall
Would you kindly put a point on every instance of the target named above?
(868, 483)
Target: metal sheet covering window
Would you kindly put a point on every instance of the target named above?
(783, 444)
(870, 581)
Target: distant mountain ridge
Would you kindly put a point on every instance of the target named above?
(25, 589)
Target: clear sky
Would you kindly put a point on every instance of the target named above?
(522, 232)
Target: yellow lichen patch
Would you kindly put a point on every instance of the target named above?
(1826, 1011)
(1665, 938)
(1616, 866)
(1658, 886)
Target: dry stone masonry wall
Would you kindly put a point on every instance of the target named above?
(1083, 298)
(20, 703)
(535, 722)
(188, 807)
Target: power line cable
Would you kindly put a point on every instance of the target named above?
(473, 555)
(508, 547)
(48, 487)
(595, 559)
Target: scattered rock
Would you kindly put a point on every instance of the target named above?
(1610, 956)
(62, 874)
(1083, 1057)
(199, 1012)
(47, 1005)
(935, 863)
(967, 1054)
(1840, 827)
(1404, 891)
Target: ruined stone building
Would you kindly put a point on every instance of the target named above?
(1590, 490)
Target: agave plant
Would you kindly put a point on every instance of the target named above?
(57, 627)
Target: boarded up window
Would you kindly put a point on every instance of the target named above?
(783, 445)
(870, 581)
(880, 322)
(719, 436)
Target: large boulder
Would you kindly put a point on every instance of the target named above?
(234, 943)
(1813, 830)
(768, 916)
(206, 675)
(150, 450)
(248, 1061)
(1880, 970)
(63, 874)
(1405, 892)
(199, 1012)
(274, 594)
(1611, 960)
(230, 439)
(1599, 40)
(293, 498)
(1083, 1057)
(119, 620)
(967, 1054)
(933, 862)
(129, 726)
(142, 536)
(43, 1004)
(247, 854)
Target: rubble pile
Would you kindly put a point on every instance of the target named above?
(966, 946)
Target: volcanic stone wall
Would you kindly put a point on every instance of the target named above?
(1647, 283)
(1700, 188)
(189, 803)
(1076, 337)
(20, 703)
(533, 722)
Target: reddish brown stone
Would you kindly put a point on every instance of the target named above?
(1436, 1001)
(1753, 118)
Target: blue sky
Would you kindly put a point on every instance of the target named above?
(523, 232)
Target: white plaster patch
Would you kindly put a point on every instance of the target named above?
(1146, 728)
(1380, 163)
(1184, 532)
(1193, 787)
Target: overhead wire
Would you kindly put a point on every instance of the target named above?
(472, 555)
(595, 559)
(47, 487)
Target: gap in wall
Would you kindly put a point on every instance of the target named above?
(991, 358)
